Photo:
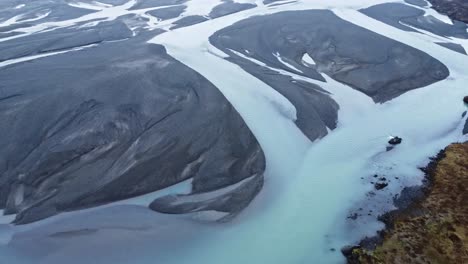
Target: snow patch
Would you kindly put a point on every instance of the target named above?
(307, 60)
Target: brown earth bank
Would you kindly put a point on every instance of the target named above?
(455, 9)
(434, 228)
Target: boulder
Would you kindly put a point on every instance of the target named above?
(395, 141)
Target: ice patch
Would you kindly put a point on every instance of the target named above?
(307, 60)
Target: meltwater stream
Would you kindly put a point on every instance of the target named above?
(299, 216)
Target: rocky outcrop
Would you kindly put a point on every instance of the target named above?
(101, 125)
(63, 39)
(168, 12)
(432, 228)
(395, 141)
(455, 9)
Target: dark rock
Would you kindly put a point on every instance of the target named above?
(370, 243)
(347, 251)
(395, 141)
(465, 99)
(407, 196)
(380, 185)
(353, 216)
(383, 69)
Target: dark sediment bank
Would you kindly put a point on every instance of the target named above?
(110, 125)
(431, 228)
(382, 69)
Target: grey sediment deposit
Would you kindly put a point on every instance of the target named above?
(382, 68)
(149, 4)
(452, 46)
(188, 21)
(168, 12)
(101, 125)
(421, 3)
(403, 16)
(63, 39)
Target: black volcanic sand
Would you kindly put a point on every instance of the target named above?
(382, 68)
(394, 14)
(188, 21)
(229, 7)
(421, 3)
(63, 39)
(452, 46)
(112, 122)
(59, 10)
(168, 12)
